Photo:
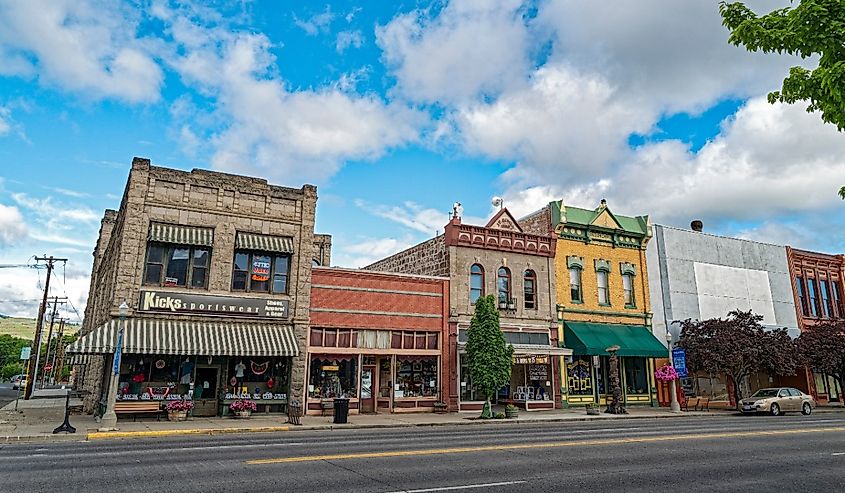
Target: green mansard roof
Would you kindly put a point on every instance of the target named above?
(576, 216)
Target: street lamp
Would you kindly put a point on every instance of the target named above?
(673, 390)
(109, 419)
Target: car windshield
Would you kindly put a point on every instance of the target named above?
(766, 393)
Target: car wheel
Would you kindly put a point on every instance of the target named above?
(806, 409)
(775, 410)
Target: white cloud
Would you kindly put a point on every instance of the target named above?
(88, 47)
(59, 223)
(412, 215)
(21, 291)
(456, 53)
(12, 225)
(345, 39)
(368, 250)
(69, 193)
(317, 23)
(5, 120)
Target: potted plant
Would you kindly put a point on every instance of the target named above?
(593, 409)
(440, 407)
(178, 410)
(511, 411)
(242, 408)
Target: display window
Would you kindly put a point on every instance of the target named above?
(579, 376)
(258, 374)
(636, 376)
(416, 376)
(531, 382)
(467, 390)
(333, 376)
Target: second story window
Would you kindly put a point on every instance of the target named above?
(813, 298)
(177, 265)
(802, 298)
(575, 285)
(628, 290)
(529, 281)
(476, 283)
(837, 299)
(827, 306)
(601, 282)
(503, 285)
(260, 272)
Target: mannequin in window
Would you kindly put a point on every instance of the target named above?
(186, 371)
(239, 372)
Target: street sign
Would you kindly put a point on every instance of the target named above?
(117, 351)
(25, 352)
(48, 367)
(679, 361)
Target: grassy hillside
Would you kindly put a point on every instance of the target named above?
(25, 327)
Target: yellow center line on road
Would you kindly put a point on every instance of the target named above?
(524, 446)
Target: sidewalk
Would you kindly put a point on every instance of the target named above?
(36, 424)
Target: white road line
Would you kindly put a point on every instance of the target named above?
(464, 487)
(838, 453)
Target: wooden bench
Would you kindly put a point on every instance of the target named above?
(703, 404)
(693, 401)
(136, 408)
(327, 406)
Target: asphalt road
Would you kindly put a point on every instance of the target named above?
(725, 453)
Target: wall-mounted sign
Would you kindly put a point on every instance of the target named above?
(159, 301)
(531, 359)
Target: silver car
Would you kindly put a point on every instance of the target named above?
(779, 400)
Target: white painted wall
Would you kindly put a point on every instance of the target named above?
(722, 289)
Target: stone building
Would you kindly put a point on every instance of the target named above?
(817, 288)
(216, 271)
(602, 300)
(696, 275)
(377, 339)
(518, 268)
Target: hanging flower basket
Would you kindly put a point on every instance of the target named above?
(666, 373)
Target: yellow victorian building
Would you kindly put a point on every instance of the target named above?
(602, 300)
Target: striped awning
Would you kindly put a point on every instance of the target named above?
(182, 235)
(264, 243)
(158, 336)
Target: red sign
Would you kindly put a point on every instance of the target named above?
(48, 367)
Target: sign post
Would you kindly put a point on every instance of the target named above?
(26, 352)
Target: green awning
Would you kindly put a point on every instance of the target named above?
(592, 339)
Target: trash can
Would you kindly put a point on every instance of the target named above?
(341, 410)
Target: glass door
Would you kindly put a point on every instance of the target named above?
(368, 402)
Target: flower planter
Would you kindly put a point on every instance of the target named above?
(593, 411)
(511, 412)
(243, 414)
(177, 415)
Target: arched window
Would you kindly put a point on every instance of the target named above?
(476, 283)
(575, 285)
(503, 285)
(529, 283)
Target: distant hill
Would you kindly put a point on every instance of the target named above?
(25, 327)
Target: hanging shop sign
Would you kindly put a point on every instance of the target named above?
(157, 301)
(530, 359)
(260, 268)
(538, 372)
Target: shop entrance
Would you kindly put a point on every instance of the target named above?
(368, 401)
(205, 391)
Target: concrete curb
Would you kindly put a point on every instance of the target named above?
(74, 437)
(101, 435)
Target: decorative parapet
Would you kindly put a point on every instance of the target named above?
(497, 239)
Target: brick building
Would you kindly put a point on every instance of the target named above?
(518, 268)
(216, 272)
(602, 299)
(817, 289)
(377, 338)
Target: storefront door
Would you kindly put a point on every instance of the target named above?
(368, 401)
(205, 391)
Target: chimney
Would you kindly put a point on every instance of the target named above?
(697, 225)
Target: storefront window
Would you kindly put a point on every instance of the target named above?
(333, 376)
(636, 376)
(467, 390)
(416, 376)
(258, 375)
(385, 383)
(531, 378)
(579, 377)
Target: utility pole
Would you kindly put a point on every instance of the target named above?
(32, 366)
(59, 348)
(49, 340)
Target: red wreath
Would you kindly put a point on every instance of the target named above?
(259, 368)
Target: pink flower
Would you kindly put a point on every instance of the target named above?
(666, 373)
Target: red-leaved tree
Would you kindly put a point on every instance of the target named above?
(737, 346)
(822, 348)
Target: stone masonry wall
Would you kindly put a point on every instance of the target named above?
(323, 249)
(538, 223)
(429, 258)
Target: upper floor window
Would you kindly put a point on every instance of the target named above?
(529, 281)
(837, 299)
(177, 265)
(476, 283)
(827, 306)
(601, 282)
(503, 284)
(575, 285)
(628, 289)
(260, 272)
(814, 302)
(802, 298)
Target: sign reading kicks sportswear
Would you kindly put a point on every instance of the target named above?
(157, 301)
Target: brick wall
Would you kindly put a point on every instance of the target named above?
(429, 258)
(538, 223)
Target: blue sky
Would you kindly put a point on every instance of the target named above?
(397, 110)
